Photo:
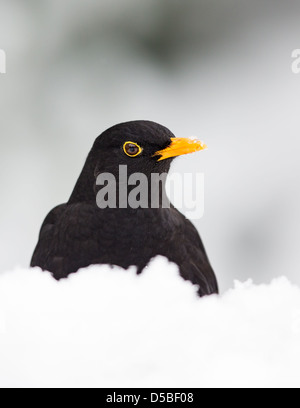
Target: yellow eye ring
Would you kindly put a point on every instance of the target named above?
(132, 149)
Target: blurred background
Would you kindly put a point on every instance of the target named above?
(216, 69)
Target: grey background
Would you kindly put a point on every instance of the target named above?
(220, 70)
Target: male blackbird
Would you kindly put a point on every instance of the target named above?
(83, 232)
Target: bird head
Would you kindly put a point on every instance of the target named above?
(143, 146)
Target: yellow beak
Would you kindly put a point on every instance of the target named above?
(180, 146)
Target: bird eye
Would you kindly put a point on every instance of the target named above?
(132, 149)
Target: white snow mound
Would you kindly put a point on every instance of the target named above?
(105, 327)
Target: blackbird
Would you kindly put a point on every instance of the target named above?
(89, 229)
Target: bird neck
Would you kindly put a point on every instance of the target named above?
(124, 192)
(131, 191)
(84, 188)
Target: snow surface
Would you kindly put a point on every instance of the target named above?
(104, 327)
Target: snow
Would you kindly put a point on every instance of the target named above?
(105, 327)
